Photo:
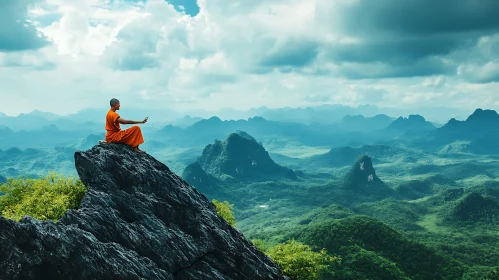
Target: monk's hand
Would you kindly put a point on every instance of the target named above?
(145, 120)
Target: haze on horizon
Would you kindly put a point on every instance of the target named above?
(63, 56)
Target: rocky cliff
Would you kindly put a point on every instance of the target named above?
(362, 179)
(241, 156)
(138, 220)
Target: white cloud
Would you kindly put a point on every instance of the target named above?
(233, 54)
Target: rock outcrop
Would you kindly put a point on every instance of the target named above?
(138, 220)
(241, 156)
(362, 179)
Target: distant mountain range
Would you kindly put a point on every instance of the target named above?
(326, 114)
(15, 162)
(480, 130)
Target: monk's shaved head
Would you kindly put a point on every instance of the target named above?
(113, 102)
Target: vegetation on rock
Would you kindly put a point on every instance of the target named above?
(224, 210)
(43, 198)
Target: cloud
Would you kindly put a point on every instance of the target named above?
(435, 82)
(423, 67)
(292, 54)
(424, 17)
(398, 34)
(28, 60)
(486, 73)
(481, 63)
(17, 33)
(219, 53)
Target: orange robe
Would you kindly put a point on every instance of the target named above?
(132, 136)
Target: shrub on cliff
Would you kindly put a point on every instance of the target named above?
(297, 260)
(43, 198)
(224, 210)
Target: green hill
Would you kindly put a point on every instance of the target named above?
(344, 156)
(241, 157)
(372, 250)
(416, 189)
(475, 207)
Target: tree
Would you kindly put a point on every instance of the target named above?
(43, 198)
(224, 210)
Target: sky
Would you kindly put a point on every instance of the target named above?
(62, 56)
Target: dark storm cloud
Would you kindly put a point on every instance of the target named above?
(421, 17)
(292, 54)
(16, 34)
(423, 67)
(395, 51)
(408, 38)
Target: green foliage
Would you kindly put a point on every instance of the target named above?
(224, 210)
(299, 261)
(43, 198)
(398, 214)
(261, 245)
(362, 264)
(493, 274)
(476, 207)
(345, 236)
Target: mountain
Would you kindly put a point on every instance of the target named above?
(361, 123)
(475, 207)
(478, 134)
(414, 123)
(89, 141)
(240, 157)
(344, 156)
(36, 162)
(46, 115)
(325, 114)
(42, 137)
(185, 121)
(37, 119)
(206, 183)
(138, 220)
(415, 189)
(362, 179)
(3, 179)
(315, 134)
(481, 121)
(371, 249)
(208, 130)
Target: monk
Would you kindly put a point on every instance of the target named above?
(131, 136)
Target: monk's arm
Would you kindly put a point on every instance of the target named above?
(123, 121)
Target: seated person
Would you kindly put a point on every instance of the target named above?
(131, 136)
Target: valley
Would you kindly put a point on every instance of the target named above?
(403, 199)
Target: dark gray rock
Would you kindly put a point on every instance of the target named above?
(240, 156)
(362, 179)
(138, 220)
